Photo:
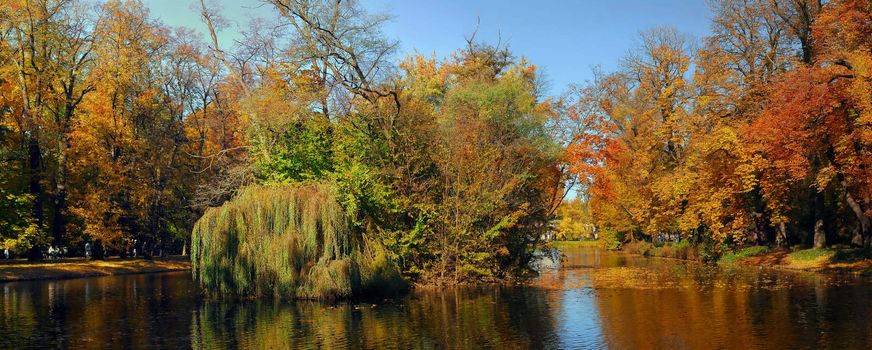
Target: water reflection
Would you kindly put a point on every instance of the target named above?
(463, 319)
(597, 300)
(118, 312)
(656, 303)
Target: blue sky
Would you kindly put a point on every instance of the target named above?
(566, 39)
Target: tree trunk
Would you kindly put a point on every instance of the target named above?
(147, 249)
(98, 252)
(59, 224)
(781, 236)
(35, 189)
(820, 237)
(861, 235)
(805, 44)
(35, 253)
(856, 237)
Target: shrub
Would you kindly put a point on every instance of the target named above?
(684, 250)
(285, 242)
(640, 247)
(611, 239)
(851, 255)
(680, 250)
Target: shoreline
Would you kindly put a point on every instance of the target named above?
(825, 261)
(780, 259)
(22, 270)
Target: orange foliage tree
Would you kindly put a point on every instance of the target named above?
(767, 141)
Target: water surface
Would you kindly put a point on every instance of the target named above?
(595, 300)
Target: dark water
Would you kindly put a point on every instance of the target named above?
(597, 300)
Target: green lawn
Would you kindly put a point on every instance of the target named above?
(810, 254)
(732, 257)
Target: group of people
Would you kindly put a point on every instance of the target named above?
(90, 250)
(51, 253)
(56, 252)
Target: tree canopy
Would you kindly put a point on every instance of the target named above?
(118, 130)
(761, 135)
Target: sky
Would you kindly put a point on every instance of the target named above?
(565, 39)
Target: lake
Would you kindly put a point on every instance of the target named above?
(597, 299)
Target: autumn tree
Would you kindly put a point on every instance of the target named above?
(574, 221)
(814, 130)
(799, 17)
(49, 44)
(765, 143)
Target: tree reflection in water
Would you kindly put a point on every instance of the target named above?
(597, 300)
(471, 318)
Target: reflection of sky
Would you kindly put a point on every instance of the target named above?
(578, 320)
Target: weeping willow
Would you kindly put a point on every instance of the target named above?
(289, 242)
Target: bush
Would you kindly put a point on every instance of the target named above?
(851, 255)
(680, 250)
(683, 250)
(640, 247)
(611, 239)
(289, 242)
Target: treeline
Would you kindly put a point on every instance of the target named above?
(121, 131)
(758, 134)
(573, 221)
(107, 116)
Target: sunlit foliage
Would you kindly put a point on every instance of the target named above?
(766, 141)
(286, 242)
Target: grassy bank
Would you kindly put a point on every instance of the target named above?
(574, 244)
(736, 256)
(843, 260)
(21, 270)
(821, 260)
